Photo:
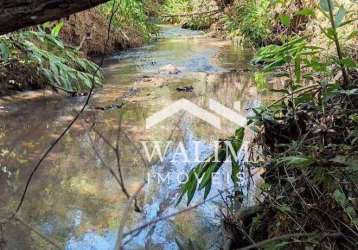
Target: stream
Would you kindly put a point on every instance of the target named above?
(73, 197)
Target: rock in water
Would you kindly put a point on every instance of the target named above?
(185, 89)
(169, 69)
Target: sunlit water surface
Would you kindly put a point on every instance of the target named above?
(73, 198)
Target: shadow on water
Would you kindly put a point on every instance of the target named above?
(73, 198)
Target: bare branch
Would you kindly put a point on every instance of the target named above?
(17, 14)
(125, 217)
(155, 221)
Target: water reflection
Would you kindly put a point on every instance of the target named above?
(74, 199)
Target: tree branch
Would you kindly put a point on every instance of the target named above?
(17, 14)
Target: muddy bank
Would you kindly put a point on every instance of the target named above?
(16, 77)
(87, 30)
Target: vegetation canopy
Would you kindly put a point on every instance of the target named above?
(296, 184)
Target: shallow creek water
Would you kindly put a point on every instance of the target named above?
(73, 198)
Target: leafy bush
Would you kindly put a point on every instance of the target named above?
(250, 19)
(307, 143)
(181, 12)
(174, 8)
(61, 66)
(200, 177)
(199, 23)
(131, 13)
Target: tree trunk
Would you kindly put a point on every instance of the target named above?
(17, 14)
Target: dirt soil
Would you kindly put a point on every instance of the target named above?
(88, 30)
(15, 77)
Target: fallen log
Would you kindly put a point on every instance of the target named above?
(17, 14)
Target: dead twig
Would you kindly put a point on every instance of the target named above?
(286, 236)
(116, 151)
(155, 221)
(125, 216)
(37, 232)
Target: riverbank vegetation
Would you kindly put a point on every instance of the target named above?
(195, 15)
(59, 54)
(306, 142)
(35, 58)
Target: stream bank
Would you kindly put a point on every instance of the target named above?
(306, 143)
(59, 55)
(73, 198)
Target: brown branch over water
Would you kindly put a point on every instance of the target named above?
(17, 14)
(125, 216)
(166, 217)
(116, 150)
(38, 232)
(31, 228)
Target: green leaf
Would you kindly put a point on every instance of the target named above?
(297, 161)
(261, 81)
(192, 184)
(355, 221)
(203, 172)
(340, 16)
(284, 208)
(331, 33)
(275, 64)
(324, 31)
(208, 174)
(55, 41)
(340, 197)
(324, 5)
(298, 68)
(207, 190)
(348, 62)
(56, 30)
(5, 52)
(354, 117)
(180, 197)
(353, 34)
(351, 212)
(203, 167)
(285, 20)
(306, 12)
(239, 137)
(348, 22)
